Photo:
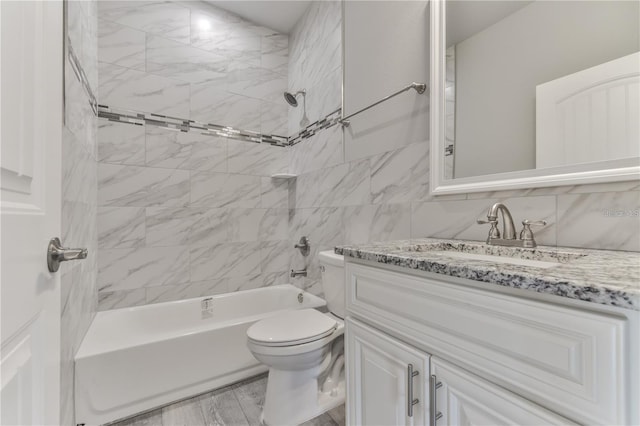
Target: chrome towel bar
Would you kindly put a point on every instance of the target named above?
(418, 87)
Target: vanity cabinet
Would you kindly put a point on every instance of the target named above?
(499, 358)
(385, 376)
(387, 379)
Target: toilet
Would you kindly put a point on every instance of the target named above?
(304, 350)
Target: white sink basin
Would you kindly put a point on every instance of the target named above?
(498, 259)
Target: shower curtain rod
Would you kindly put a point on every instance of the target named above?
(418, 87)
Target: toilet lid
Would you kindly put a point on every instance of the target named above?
(292, 328)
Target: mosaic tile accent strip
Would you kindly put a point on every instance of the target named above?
(330, 120)
(184, 125)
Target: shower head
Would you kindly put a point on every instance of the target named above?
(291, 98)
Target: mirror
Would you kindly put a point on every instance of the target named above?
(534, 93)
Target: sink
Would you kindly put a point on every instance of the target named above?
(540, 257)
(498, 259)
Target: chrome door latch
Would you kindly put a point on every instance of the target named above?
(56, 254)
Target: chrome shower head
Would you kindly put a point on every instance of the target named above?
(292, 98)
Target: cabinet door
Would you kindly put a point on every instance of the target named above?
(462, 398)
(379, 381)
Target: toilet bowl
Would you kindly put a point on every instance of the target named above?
(304, 351)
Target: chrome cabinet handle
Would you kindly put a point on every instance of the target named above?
(434, 415)
(410, 401)
(56, 254)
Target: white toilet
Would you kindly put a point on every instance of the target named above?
(304, 350)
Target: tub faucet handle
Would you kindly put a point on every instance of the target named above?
(303, 245)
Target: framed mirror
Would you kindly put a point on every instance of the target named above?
(533, 94)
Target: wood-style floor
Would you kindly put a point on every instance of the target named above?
(235, 405)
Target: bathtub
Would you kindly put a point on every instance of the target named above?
(135, 359)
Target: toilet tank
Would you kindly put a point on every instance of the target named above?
(332, 267)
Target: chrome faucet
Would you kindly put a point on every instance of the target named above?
(508, 228)
(508, 237)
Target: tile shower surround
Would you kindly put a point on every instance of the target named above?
(207, 199)
(188, 214)
(192, 60)
(183, 215)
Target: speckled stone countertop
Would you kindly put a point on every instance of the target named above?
(598, 276)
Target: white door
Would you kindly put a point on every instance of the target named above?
(379, 382)
(590, 115)
(30, 129)
(465, 399)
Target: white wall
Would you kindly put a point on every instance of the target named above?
(498, 69)
(386, 45)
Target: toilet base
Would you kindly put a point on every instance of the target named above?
(296, 412)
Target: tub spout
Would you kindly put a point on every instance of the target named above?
(301, 272)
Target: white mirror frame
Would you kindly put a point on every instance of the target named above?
(614, 171)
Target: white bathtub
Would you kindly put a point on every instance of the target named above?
(135, 359)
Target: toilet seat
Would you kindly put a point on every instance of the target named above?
(292, 328)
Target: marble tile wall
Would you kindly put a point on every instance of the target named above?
(325, 183)
(191, 60)
(79, 196)
(185, 214)
(315, 62)
(352, 190)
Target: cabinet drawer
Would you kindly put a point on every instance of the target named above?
(569, 360)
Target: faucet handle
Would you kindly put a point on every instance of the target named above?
(493, 232)
(526, 235)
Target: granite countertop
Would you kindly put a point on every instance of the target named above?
(598, 276)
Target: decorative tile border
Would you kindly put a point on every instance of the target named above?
(184, 125)
(330, 120)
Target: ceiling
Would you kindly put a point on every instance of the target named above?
(278, 15)
(466, 18)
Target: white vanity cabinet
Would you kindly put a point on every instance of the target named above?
(391, 384)
(387, 379)
(499, 358)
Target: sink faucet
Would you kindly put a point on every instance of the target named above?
(508, 228)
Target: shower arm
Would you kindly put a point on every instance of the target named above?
(418, 87)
